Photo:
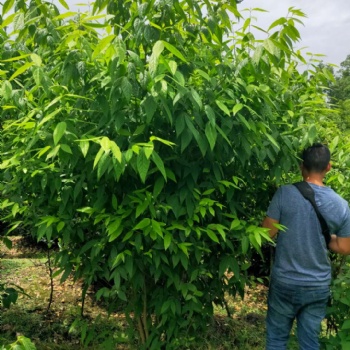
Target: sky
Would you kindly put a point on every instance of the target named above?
(326, 28)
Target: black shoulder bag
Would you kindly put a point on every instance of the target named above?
(308, 193)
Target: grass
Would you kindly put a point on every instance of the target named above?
(62, 327)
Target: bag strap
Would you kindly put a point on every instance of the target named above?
(308, 193)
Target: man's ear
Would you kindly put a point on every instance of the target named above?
(329, 166)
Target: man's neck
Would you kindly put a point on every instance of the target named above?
(314, 179)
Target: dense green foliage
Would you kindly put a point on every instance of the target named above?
(22, 343)
(147, 142)
(339, 95)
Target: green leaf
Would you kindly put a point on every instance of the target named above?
(7, 242)
(172, 66)
(203, 74)
(211, 134)
(59, 131)
(64, 4)
(103, 165)
(116, 151)
(105, 144)
(65, 15)
(84, 146)
(156, 227)
(102, 45)
(7, 6)
(257, 54)
(244, 121)
(7, 21)
(212, 235)
(210, 114)
(113, 227)
(179, 78)
(237, 108)
(272, 140)
(278, 22)
(36, 59)
(346, 324)
(223, 107)
(183, 247)
(6, 90)
(167, 240)
(166, 142)
(245, 244)
(38, 75)
(334, 144)
(159, 163)
(271, 47)
(113, 236)
(154, 59)
(60, 226)
(98, 157)
(150, 106)
(158, 186)
(26, 342)
(66, 148)
(53, 152)
(142, 165)
(126, 88)
(173, 50)
(18, 21)
(196, 98)
(16, 58)
(142, 224)
(21, 70)
(312, 133)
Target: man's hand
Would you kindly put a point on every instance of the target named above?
(340, 245)
(270, 224)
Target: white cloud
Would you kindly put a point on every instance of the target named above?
(325, 29)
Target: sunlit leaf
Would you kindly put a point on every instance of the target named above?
(116, 151)
(173, 50)
(64, 4)
(18, 21)
(59, 131)
(223, 107)
(156, 52)
(84, 146)
(21, 70)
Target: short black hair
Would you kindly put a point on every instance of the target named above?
(316, 157)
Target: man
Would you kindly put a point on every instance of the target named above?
(301, 274)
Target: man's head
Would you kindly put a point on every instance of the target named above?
(316, 158)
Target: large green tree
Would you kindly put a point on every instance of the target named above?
(145, 138)
(339, 95)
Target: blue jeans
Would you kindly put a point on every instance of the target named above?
(288, 302)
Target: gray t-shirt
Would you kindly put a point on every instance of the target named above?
(301, 252)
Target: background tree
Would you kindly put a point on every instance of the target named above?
(338, 92)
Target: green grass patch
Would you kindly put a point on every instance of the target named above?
(14, 266)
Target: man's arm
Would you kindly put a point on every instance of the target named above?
(340, 245)
(270, 224)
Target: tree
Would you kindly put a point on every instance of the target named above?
(341, 89)
(145, 141)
